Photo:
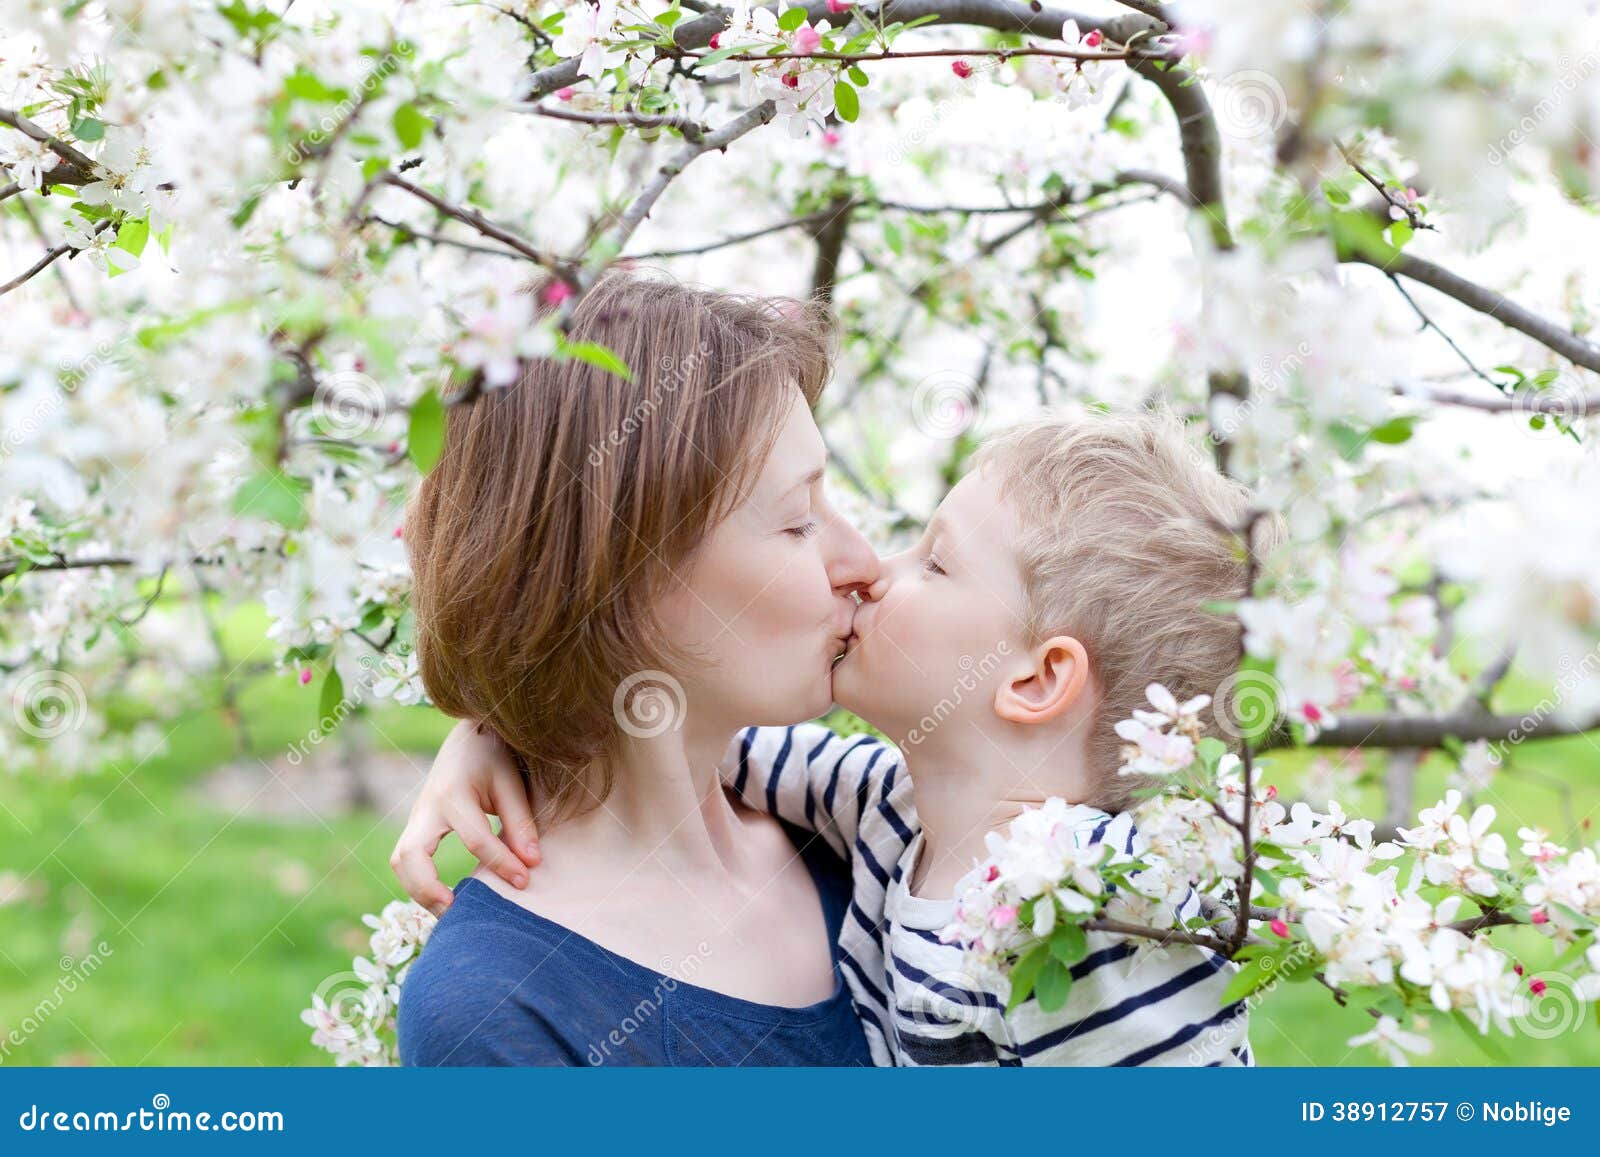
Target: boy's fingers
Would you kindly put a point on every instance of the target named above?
(517, 828)
(473, 828)
(412, 862)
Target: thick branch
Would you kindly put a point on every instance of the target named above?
(1474, 296)
(1001, 15)
(83, 165)
(1469, 723)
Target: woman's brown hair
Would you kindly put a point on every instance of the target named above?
(562, 505)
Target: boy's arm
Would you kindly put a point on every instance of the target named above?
(813, 777)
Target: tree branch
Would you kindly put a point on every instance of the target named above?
(1478, 297)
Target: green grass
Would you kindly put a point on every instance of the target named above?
(215, 944)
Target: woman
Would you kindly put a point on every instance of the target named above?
(616, 573)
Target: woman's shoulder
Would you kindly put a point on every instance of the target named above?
(488, 988)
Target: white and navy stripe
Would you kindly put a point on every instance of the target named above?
(1130, 1004)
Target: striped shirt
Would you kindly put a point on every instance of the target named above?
(1131, 1003)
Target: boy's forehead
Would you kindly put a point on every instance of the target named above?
(975, 514)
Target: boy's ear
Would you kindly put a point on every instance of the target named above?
(1045, 684)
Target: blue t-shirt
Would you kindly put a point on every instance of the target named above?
(500, 985)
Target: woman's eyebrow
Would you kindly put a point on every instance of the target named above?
(808, 481)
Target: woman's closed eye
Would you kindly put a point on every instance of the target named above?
(932, 567)
(805, 530)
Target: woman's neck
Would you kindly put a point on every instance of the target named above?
(666, 803)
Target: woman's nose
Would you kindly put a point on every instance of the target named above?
(855, 564)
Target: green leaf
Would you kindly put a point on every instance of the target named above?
(1069, 943)
(845, 101)
(1399, 233)
(272, 494)
(410, 125)
(1394, 431)
(132, 236)
(1356, 232)
(1024, 973)
(1054, 985)
(1490, 1047)
(1211, 750)
(792, 18)
(425, 435)
(1251, 976)
(332, 696)
(1334, 194)
(1347, 440)
(598, 355)
(88, 129)
(858, 75)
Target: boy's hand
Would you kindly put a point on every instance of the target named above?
(473, 777)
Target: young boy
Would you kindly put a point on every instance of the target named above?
(1058, 579)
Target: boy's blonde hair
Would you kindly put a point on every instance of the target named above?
(1124, 539)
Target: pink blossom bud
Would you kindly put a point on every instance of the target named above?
(1279, 928)
(838, 6)
(992, 874)
(1517, 968)
(1003, 916)
(1272, 791)
(1312, 712)
(830, 139)
(399, 531)
(1407, 683)
(715, 41)
(961, 68)
(565, 93)
(807, 39)
(1536, 986)
(1539, 916)
(1093, 39)
(791, 80)
(305, 676)
(557, 292)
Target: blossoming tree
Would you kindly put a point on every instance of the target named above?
(255, 253)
